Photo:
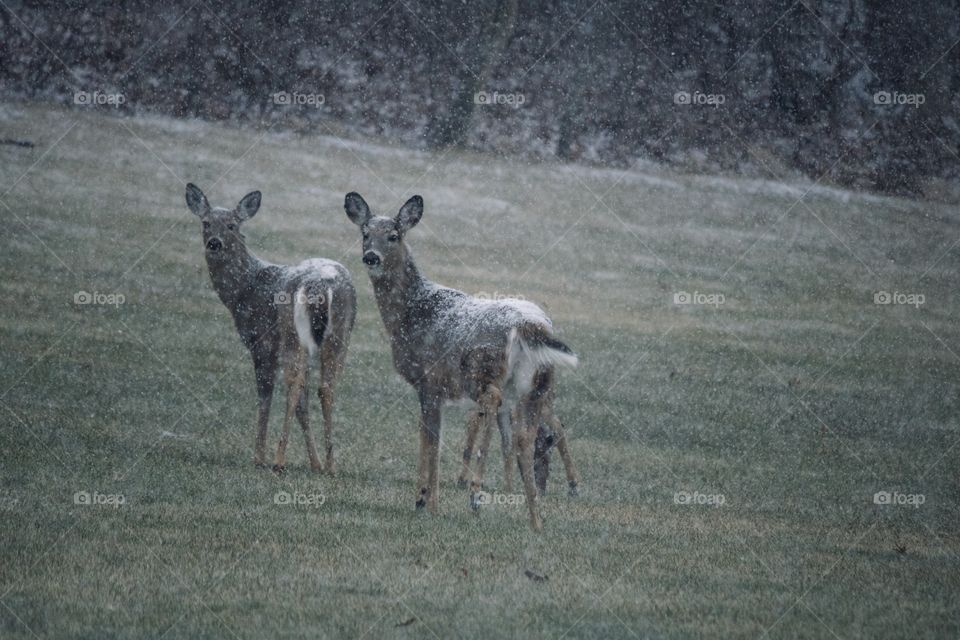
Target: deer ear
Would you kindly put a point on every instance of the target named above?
(196, 201)
(410, 214)
(356, 208)
(248, 206)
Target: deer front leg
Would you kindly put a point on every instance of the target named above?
(265, 377)
(524, 434)
(473, 425)
(422, 466)
(504, 424)
(429, 449)
(293, 375)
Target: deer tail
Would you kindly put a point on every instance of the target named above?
(311, 315)
(531, 351)
(544, 349)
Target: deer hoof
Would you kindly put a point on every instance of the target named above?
(572, 491)
(279, 469)
(421, 504)
(462, 483)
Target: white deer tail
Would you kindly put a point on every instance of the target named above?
(532, 348)
(311, 315)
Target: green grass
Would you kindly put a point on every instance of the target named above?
(797, 400)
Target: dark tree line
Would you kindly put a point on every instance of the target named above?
(795, 86)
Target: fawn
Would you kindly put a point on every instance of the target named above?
(449, 346)
(550, 434)
(284, 315)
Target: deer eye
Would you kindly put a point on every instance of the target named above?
(366, 236)
(231, 227)
(393, 237)
(206, 224)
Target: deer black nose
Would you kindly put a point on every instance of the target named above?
(214, 244)
(370, 258)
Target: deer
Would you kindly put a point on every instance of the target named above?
(550, 434)
(286, 316)
(451, 346)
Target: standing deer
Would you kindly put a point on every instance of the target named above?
(550, 434)
(284, 315)
(449, 345)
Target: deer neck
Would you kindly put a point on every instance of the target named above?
(394, 289)
(234, 275)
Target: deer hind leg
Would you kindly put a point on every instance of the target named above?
(489, 408)
(293, 374)
(331, 363)
(303, 416)
(473, 426)
(541, 456)
(524, 434)
(573, 476)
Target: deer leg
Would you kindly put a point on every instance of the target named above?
(433, 498)
(430, 415)
(303, 417)
(541, 457)
(524, 434)
(573, 476)
(293, 375)
(504, 424)
(489, 407)
(265, 377)
(473, 425)
(422, 466)
(331, 368)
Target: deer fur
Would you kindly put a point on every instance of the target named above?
(449, 345)
(284, 316)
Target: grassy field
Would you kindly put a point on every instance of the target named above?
(793, 400)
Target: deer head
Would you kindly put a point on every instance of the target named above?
(383, 246)
(221, 227)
